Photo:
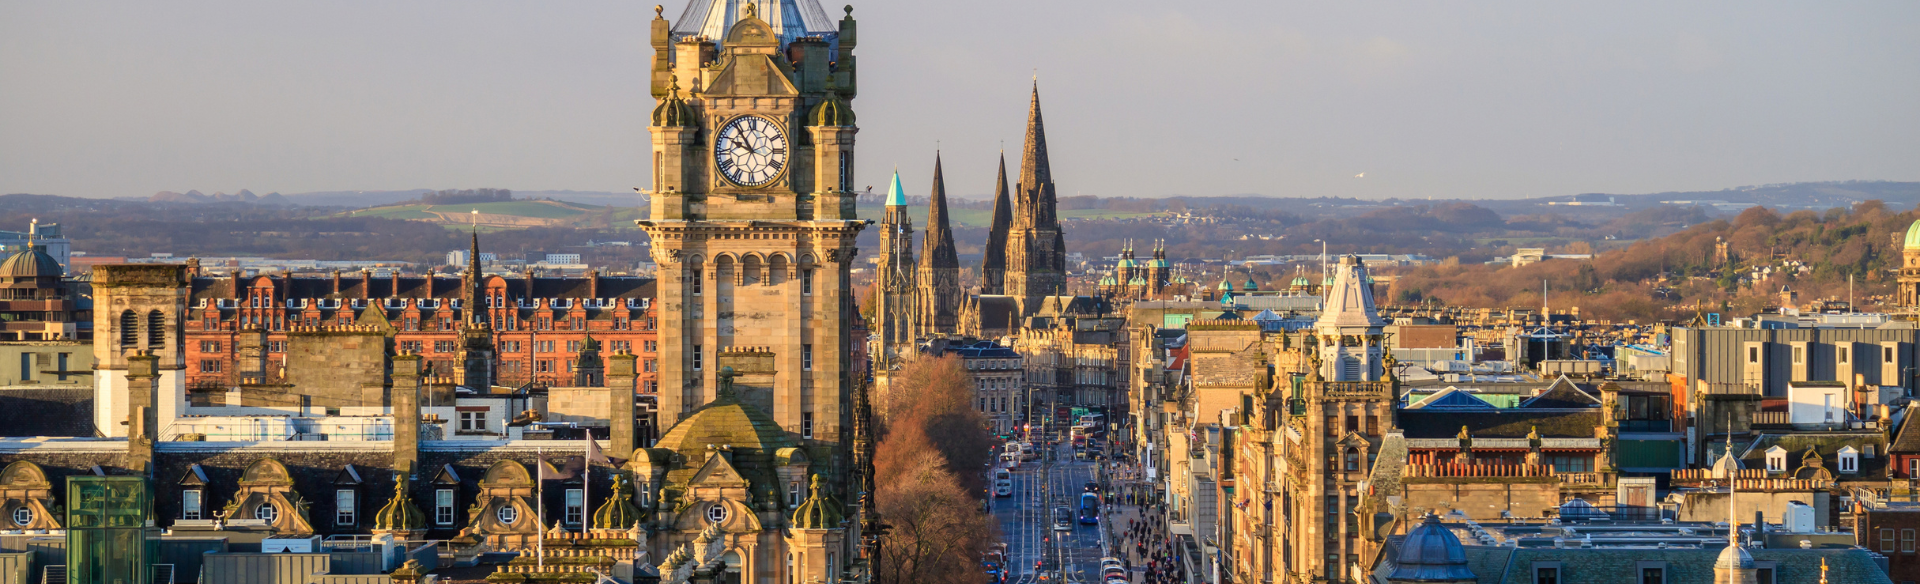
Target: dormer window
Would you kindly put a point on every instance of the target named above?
(1776, 459)
(1849, 460)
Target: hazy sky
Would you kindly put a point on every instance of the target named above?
(1441, 99)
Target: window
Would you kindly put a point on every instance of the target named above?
(806, 425)
(276, 346)
(576, 506)
(473, 421)
(806, 282)
(509, 346)
(1886, 540)
(1906, 541)
(508, 514)
(543, 346)
(1886, 355)
(793, 494)
(696, 357)
(716, 513)
(209, 366)
(1913, 467)
(343, 507)
(266, 511)
(190, 505)
(1753, 354)
(415, 347)
(1776, 459)
(622, 346)
(446, 346)
(209, 346)
(1763, 576)
(1799, 355)
(650, 346)
(1373, 425)
(22, 516)
(573, 346)
(1849, 460)
(1353, 459)
(696, 280)
(443, 507)
(806, 357)
(543, 366)
(650, 366)
(1844, 353)
(1546, 575)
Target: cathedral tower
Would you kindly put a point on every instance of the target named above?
(752, 221)
(1036, 249)
(993, 264)
(895, 288)
(939, 276)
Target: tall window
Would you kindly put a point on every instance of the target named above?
(156, 330)
(696, 357)
(1353, 459)
(130, 329)
(576, 506)
(190, 508)
(1886, 540)
(806, 282)
(473, 421)
(1906, 541)
(443, 507)
(343, 507)
(806, 357)
(793, 494)
(806, 425)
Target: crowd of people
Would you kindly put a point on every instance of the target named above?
(1144, 544)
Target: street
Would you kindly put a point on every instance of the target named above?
(1026, 520)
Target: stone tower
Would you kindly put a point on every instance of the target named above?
(939, 277)
(993, 263)
(895, 288)
(1345, 404)
(1036, 249)
(138, 310)
(753, 219)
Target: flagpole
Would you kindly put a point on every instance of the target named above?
(540, 506)
(586, 482)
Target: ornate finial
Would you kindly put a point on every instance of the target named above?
(849, 10)
(673, 84)
(658, 11)
(1823, 570)
(752, 10)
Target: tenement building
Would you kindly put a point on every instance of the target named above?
(497, 412)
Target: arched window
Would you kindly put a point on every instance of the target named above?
(129, 330)
(1353, 459)
(266, 511)
(156, 330)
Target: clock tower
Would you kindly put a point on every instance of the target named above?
(752, 219)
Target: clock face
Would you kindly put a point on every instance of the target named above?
(750, 151)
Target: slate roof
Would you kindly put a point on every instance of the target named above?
(1507, 423)
(1452, 398)
(1828, 445)
(1907, 441)
(1563, 393)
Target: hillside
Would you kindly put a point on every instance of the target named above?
(1814, 254)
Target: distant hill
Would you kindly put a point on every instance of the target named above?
(510, 214)
(196, 197)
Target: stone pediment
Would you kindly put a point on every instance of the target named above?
(749, 75)
(717, 472)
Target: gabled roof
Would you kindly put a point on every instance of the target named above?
(1452, 398)
(1562, 394)
(1907, 441)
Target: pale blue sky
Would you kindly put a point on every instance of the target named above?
(1443, 99)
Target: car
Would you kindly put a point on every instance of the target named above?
(1091, 487)
(1062, 519)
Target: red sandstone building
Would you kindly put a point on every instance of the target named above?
(540, 324)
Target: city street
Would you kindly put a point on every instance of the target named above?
(1026, 520)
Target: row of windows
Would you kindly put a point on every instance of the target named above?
(697, 285)
(346, 508)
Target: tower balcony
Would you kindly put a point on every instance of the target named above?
(1356, 389)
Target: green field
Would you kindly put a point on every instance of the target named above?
(536, 209)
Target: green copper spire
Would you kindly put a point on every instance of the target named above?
(896, 196)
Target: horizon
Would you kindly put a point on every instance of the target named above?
(1492, 101)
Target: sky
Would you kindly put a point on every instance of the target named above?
(1485, 99)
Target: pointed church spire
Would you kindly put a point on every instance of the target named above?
(1034, 169)
(896, 196)
(993, 266)
(937, 248)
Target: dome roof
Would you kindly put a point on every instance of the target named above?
(1137, 281)
(1156, 263)
(1432, 553)
(1302, 281)
(1735, 557)
(831, 112)
(1913, 236)
(750, 434)
(819, 511)
(1250, 285)
(673, 111)
(619, 511)
(1107, 281)
(1226, 285)
(400, 514)
(32, 262)
(1125, 263)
